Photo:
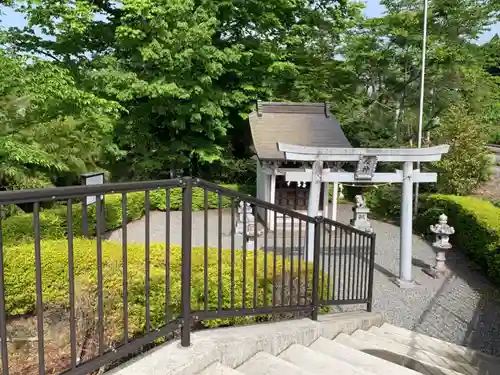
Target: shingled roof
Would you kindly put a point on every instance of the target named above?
(304, 124)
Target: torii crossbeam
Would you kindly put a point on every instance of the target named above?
(367, 159)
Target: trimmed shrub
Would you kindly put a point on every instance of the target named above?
(477, 227)
(53, 222)
(476, 222)
(20, 282)
(384, 201)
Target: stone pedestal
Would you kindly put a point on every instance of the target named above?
(246, 223)
(360, 216)
(441, 246)
(244, 209)
(341, 192)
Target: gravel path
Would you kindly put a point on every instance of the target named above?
(462, 308)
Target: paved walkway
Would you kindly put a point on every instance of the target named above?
(463, 308)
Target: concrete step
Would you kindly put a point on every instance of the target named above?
(318, 363)
(399, 354)
(471, 356)
(439, 348)
(418, 354)
(264, 363)
(347, 322)
(443, 349)
(367, 362)
(219, 369)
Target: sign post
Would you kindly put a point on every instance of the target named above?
(91, 178)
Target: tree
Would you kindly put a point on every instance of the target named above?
(467, 163)
(186, 73)
(49, 130)
(185, 70)
(385, 54)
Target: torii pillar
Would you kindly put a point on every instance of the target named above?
(367, 159)
(313, 205)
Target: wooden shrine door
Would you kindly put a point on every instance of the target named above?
(292, 196)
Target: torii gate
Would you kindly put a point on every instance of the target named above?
(367, 159)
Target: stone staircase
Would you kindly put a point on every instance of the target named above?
(343, 344)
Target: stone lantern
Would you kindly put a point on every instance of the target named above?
(360, 215)
(246, 226)
(441, 245)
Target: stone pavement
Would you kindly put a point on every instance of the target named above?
(462, 308)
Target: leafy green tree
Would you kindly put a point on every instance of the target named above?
(186, 73)
(385, 55)
(185, 70)
(49, 129)
(467, 164)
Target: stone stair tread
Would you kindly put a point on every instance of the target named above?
(264, 363)
(439, 348)
(218, 368)
(420, 354)
(471, 355)
(444, 349)
(400, 354)
(318, 363)
(377, 366)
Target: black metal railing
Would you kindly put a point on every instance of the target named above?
(85, 285)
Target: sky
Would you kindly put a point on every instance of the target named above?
(373, 9)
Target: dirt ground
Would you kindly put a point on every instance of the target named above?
(491, 190)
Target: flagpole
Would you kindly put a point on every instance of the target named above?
(421, 105)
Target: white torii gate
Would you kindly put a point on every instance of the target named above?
(367, 159)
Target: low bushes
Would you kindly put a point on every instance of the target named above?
(384, 201)
(20, 282)
(476, 222)
(53, 222)
(20, 295)
(477, 227)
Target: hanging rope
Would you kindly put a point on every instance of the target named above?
(366, 185)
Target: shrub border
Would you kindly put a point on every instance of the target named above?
(54, 221)
(476, 222)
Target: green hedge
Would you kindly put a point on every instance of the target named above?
(21, 293)
(476, 222)
(477, 227)
(53, 222)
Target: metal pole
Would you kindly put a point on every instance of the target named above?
(187, 212)
(85, 219)
(316, 267)
(369, 305)
(421, 106)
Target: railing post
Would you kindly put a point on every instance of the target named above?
(316, 260)
(370, 272)
(85, 220)
(187, 212)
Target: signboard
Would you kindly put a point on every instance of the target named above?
(366, 167)
(93, 179)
